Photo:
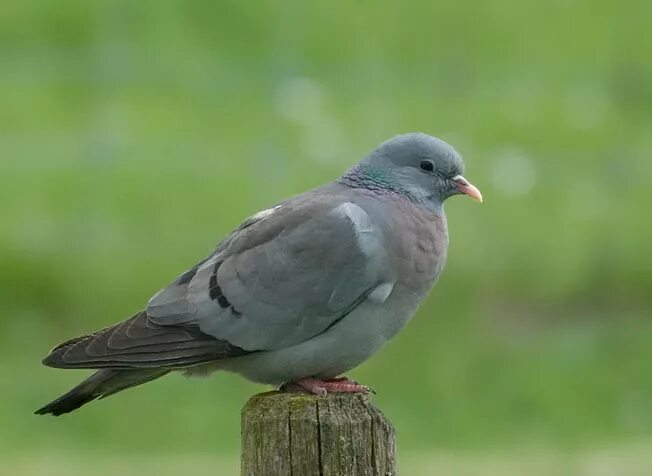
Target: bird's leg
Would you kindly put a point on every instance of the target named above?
(350, 382)
(336, 385)
(339, 379)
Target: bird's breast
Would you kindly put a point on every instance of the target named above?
(421, 247)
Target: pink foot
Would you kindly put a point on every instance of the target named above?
(332, 385)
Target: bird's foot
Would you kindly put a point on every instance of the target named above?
(332, 385)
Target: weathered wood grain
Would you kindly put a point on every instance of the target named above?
(295, 434)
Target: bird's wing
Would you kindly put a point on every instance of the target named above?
(138, 343)
(284, 276)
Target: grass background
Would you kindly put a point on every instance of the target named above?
(133, 135)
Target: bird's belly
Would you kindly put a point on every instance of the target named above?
(344, 346)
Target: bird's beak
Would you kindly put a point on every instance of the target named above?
(467, 188)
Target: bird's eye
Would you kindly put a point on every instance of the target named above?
(427, 166)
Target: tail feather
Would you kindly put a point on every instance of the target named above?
(101, 384)
(131, 353)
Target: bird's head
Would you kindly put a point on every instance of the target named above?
(423, 167)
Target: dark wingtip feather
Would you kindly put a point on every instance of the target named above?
(55, 359)
(51, 360)
(55, 356)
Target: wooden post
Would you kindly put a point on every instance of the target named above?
(295, 434)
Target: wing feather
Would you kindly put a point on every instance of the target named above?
(139, 343)
(282, 277)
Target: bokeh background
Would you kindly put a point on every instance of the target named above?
(134, 135)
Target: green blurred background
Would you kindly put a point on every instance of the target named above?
(134, 135)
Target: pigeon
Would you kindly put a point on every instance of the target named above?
(298, 294)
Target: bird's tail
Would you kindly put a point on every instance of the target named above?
(101, 384)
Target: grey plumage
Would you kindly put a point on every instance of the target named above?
(309, 288)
